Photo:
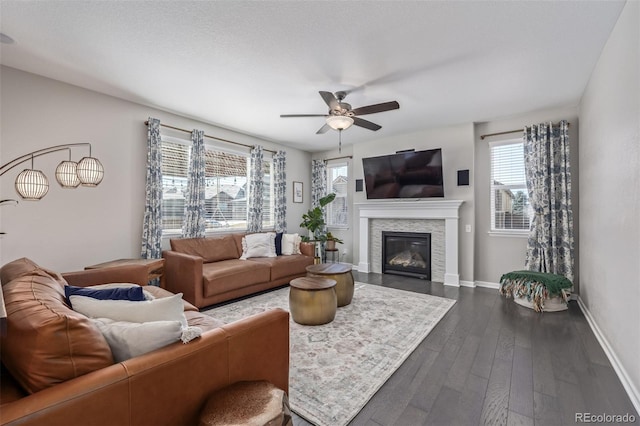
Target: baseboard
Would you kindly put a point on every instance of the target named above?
(467, 284)
(487, 284)
(628, 385)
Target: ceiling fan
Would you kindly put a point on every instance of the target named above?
(341, 116)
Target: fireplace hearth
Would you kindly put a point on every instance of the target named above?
(407, 253)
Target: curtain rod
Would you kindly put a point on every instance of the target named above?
(210, 137)
(338, 158)
(505, 133)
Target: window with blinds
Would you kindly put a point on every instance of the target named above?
(337, 181)
(510, 209)
(226, 192)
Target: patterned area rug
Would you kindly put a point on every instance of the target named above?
(337, 367)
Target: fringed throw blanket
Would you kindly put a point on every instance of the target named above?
(535, 286)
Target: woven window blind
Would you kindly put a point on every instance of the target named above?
(226, 176)
(510, 209)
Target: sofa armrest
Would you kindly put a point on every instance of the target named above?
(99, 398)
(136, 274)
(179, 378)
(176, 380)
(183, 274)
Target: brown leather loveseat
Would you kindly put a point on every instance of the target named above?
(209, 270)
(58, 369)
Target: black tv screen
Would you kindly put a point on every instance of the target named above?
(411, 174)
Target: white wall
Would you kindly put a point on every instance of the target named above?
(610, 197)
(69, 229)
(457, 154)
(495, 255)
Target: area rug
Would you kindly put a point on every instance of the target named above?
(337, 367)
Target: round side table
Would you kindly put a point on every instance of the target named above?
(312, 301)
(339, 272)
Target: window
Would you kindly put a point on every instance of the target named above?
(227, 177)
(337, 181)
(510, 209)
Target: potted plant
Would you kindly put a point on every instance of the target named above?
(331, 241)
(313, 220)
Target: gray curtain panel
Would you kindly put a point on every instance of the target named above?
(152, 220)
(318, 185)
(256, 188)
(194, 208)
(280, 191)
(550, 246)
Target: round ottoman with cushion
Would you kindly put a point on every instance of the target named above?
(247, 403)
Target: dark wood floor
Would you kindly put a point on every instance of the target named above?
(492, 362)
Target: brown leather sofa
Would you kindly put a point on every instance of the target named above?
(57, 355)
(209, 270)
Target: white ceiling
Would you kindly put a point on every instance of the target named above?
(240, 64)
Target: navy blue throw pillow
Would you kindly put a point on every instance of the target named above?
(279, 243)
(133, 294)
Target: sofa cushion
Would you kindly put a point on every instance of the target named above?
(291, 244)
(46, 342)
(130, 339)
(205, 322)
(210, 249)
(259, 245)
(163, 309)
(220, 277)
(133, 293)
(158, 292)
(285, 266)
(24, 266)
(278, 243)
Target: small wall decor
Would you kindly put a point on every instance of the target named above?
(297, 192)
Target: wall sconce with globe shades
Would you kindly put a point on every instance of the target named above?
(32, 184)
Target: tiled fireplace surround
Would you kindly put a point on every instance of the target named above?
(438, 217)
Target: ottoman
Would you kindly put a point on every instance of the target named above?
(540, 291)
(247, 403)
(312, 301)
(339, 272)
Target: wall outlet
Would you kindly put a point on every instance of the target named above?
(467, 228)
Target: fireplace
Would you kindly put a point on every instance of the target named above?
(407, 253)
(411, 212)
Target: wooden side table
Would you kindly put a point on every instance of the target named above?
(155, 267)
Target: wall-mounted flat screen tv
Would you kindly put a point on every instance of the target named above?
(411, 174)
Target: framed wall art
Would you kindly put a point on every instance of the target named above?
(297, 192)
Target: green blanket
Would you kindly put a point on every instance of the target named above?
(535, 286)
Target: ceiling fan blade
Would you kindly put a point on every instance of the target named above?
(302, 115)
(323, 129)
(366, 124)
(330, 99)
(372, 109)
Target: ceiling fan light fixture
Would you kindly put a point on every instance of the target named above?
(339, 122)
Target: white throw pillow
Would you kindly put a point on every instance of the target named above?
(291, 244)
(259, 245)
(130, 339)
(161, 309)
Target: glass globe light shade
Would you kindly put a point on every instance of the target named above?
(339, 122)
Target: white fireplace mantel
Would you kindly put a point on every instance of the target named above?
(419, 209)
